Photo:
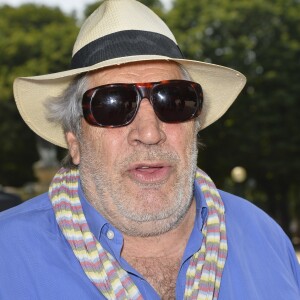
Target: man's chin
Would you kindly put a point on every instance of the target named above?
(152, 221)
(151, 203)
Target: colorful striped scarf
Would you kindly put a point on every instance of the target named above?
(204, 273)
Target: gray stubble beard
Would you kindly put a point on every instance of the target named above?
(97, 186)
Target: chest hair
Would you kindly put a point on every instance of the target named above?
(161, 273)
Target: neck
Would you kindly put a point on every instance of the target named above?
(169, 244)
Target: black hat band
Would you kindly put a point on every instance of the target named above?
(125, 43)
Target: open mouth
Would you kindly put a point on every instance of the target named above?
(150, 173)
(149, 169)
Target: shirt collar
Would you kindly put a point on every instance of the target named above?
(201, 206)
(94, 219)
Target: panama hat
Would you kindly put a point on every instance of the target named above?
(119, 32)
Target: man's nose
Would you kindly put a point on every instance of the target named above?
(146, 128)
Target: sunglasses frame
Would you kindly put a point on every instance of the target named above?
(143, 91)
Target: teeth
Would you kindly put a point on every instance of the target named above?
(144, 167)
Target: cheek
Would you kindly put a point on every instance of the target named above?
(181, 137)
(107, 144)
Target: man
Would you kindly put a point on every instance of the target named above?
(130, 216)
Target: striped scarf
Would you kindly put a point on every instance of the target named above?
(204, 273)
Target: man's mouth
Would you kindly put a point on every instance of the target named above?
(150, 172)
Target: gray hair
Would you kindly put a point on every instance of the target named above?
(66, 109)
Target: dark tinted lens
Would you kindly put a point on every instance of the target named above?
(175, 101)
(114, 105)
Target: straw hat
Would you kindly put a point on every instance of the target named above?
(118, 32)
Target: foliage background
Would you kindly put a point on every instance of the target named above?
(260, 132)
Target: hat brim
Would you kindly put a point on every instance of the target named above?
(221, 86)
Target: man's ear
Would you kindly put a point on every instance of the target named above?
(73, 146)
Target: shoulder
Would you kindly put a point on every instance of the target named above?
(254, 237)
(26, 217)
(242, 214)
(242, 209)
(250, 226)
(38, 203)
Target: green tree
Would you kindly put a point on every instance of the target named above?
(34, 40)
(260, 132)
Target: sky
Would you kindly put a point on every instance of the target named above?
(66, 5)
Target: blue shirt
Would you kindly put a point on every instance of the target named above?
(36, 262)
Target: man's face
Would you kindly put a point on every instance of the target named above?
(140, 176)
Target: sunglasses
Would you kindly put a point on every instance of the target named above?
(115, 105)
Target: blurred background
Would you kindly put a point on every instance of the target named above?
(252, 151)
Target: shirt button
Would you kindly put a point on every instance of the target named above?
(110, 234)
